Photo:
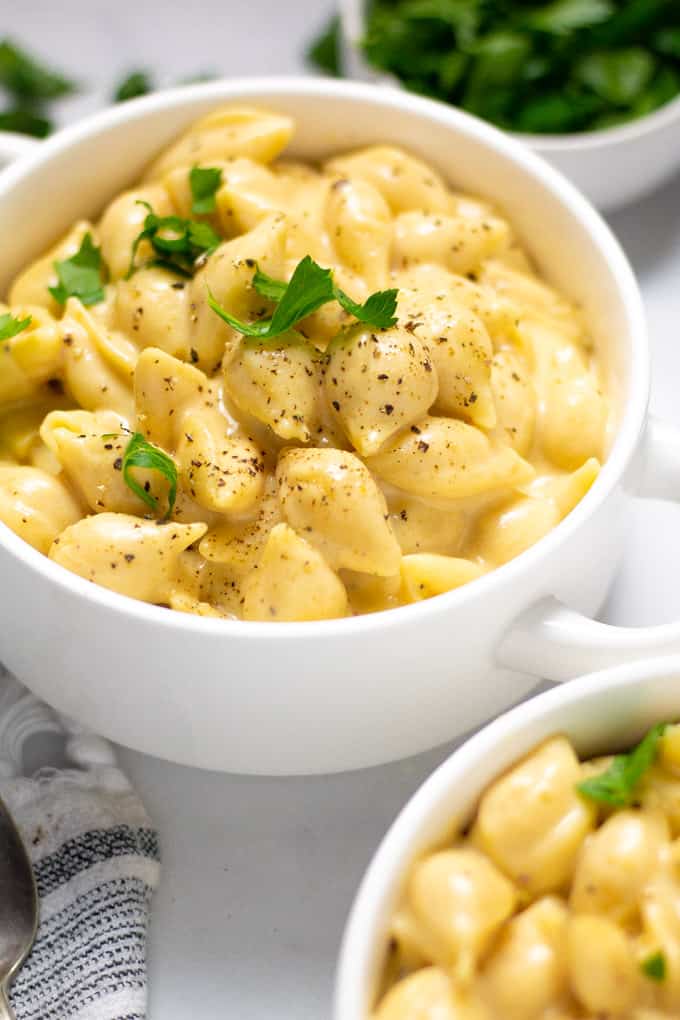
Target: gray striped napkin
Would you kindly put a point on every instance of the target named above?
(96, 861)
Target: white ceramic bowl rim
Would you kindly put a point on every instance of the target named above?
(394, 852)
(632, 419)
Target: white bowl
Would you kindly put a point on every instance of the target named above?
(600, 713)
(612, 167)
(332, 695)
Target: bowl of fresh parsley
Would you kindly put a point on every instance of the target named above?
(592, 85)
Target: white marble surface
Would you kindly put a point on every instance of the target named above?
(259, 874)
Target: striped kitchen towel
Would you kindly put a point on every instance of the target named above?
(96, 861)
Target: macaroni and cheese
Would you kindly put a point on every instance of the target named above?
(561, 900)
(354, 461)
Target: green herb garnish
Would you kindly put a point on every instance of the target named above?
(617, 785)
(137, 83)
(9, 326)
(25, 122)
(204, 182)
(556, 67)
(617, 78)
(654, 967)
(29, 87)
(267, 286)
(27, 79)
(81, 275)
(564, 16)
(325, 51)
(177, 243)
(309, 288)
(139, 453)
(377, 310)
(667, 41)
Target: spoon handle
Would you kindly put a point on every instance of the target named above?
(6, 1011)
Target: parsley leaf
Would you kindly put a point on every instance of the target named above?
(654, 967)
(267, 286)
(25, 122)
(325, 51)
(25, 78)
(9, 326)
(617, 77)
(567, 15)
(664, 87)
(177, 243)
(81, 275)
(139, 453)
(137, 83)
(204, 182)
(377, 310)
(309, 288)
(616, 786)
(667, 41)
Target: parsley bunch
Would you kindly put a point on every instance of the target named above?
(556, 67)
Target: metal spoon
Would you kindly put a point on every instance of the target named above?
(18, 907)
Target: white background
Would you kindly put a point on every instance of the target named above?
(259, 874)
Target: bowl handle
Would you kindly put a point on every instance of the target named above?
(14, 146)
(558, 643)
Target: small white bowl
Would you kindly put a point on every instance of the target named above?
(612, 167)
(601, 713)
